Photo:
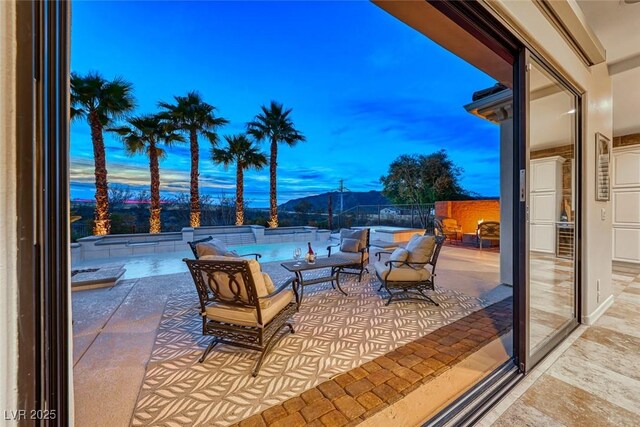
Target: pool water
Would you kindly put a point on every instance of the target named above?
(171, 262)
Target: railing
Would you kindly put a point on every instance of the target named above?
(387, 215)
(416, 216)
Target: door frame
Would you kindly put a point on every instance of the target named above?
(528, 361)
(44, 356)
(43, 264)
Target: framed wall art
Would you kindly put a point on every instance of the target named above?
(603, 162)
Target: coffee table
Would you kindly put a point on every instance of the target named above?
(336, 263)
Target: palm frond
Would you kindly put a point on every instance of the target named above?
(109, 99)
(145, 131)
(274, 124)
(190, 113)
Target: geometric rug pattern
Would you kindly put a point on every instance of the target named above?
(334, 334)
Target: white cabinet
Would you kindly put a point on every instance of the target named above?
(543, 238)
(545, 201)
(625, 198)
(546, 174)
(543, 207)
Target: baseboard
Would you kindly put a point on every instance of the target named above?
(626, 267)
(591, 319)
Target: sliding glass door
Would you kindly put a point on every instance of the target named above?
(552, 209)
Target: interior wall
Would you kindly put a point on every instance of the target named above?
(626, 102)
(8, 225)
(527, 20)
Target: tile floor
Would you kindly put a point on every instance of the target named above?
(552, 296)
(592, 379)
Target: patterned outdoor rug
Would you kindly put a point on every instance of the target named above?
(334, 334)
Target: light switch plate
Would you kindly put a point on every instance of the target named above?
(603, 214)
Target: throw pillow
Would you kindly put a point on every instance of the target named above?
(355, 234)
(221, 283)
(350, 245)
(212, 247)
(400, 254)
(271, 288)
(420, 248)
(258, 279)
(227, 288)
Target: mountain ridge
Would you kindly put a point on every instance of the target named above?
(351, 199)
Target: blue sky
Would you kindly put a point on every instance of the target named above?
(364, 89)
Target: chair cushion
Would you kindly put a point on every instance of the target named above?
(248, 316)
(489, 230)
(401, 274)
(226, 287)
(271, 288)
(352, 256)
(450, 223)
(400, 254)
(355, 234)
(214, 247)
(350, 245)
(420, 248)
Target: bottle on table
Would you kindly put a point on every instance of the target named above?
(311, 256)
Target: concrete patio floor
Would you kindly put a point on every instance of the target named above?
(115, 330)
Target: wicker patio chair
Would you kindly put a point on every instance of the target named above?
(221, 248)
(354, 245)
(449, 228)
(488, 230)
(236, 305)
(410, 274)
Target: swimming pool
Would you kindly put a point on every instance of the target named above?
(171, 262)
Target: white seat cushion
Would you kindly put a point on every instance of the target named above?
(352, 256)
(420, 248)
(271, 288)
(361, 235)
(248, 316)
(214, 247)
(224, 282)
(400, 254)
(350, 245)
(401, 274)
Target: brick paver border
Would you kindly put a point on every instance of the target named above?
(351, 397)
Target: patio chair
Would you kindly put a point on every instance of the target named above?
(410, 271)
(240, 306)
(354, 245)
(211, 246)
(488, 230)
(449, 228)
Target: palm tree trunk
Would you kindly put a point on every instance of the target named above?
(239, 194)
(102, 224)
(273, 193)
(154, 168)
(194, 217)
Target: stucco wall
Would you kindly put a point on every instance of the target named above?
(8, 259)
(469, 212)
(595, 82)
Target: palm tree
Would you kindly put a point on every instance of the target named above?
(244, 153)
(143, 137)
(101, 102)
(194, 116)
(274, 125)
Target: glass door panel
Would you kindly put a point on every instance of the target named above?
(551, 209)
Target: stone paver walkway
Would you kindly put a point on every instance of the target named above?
(359, 393)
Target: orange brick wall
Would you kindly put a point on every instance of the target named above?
(469, 212)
